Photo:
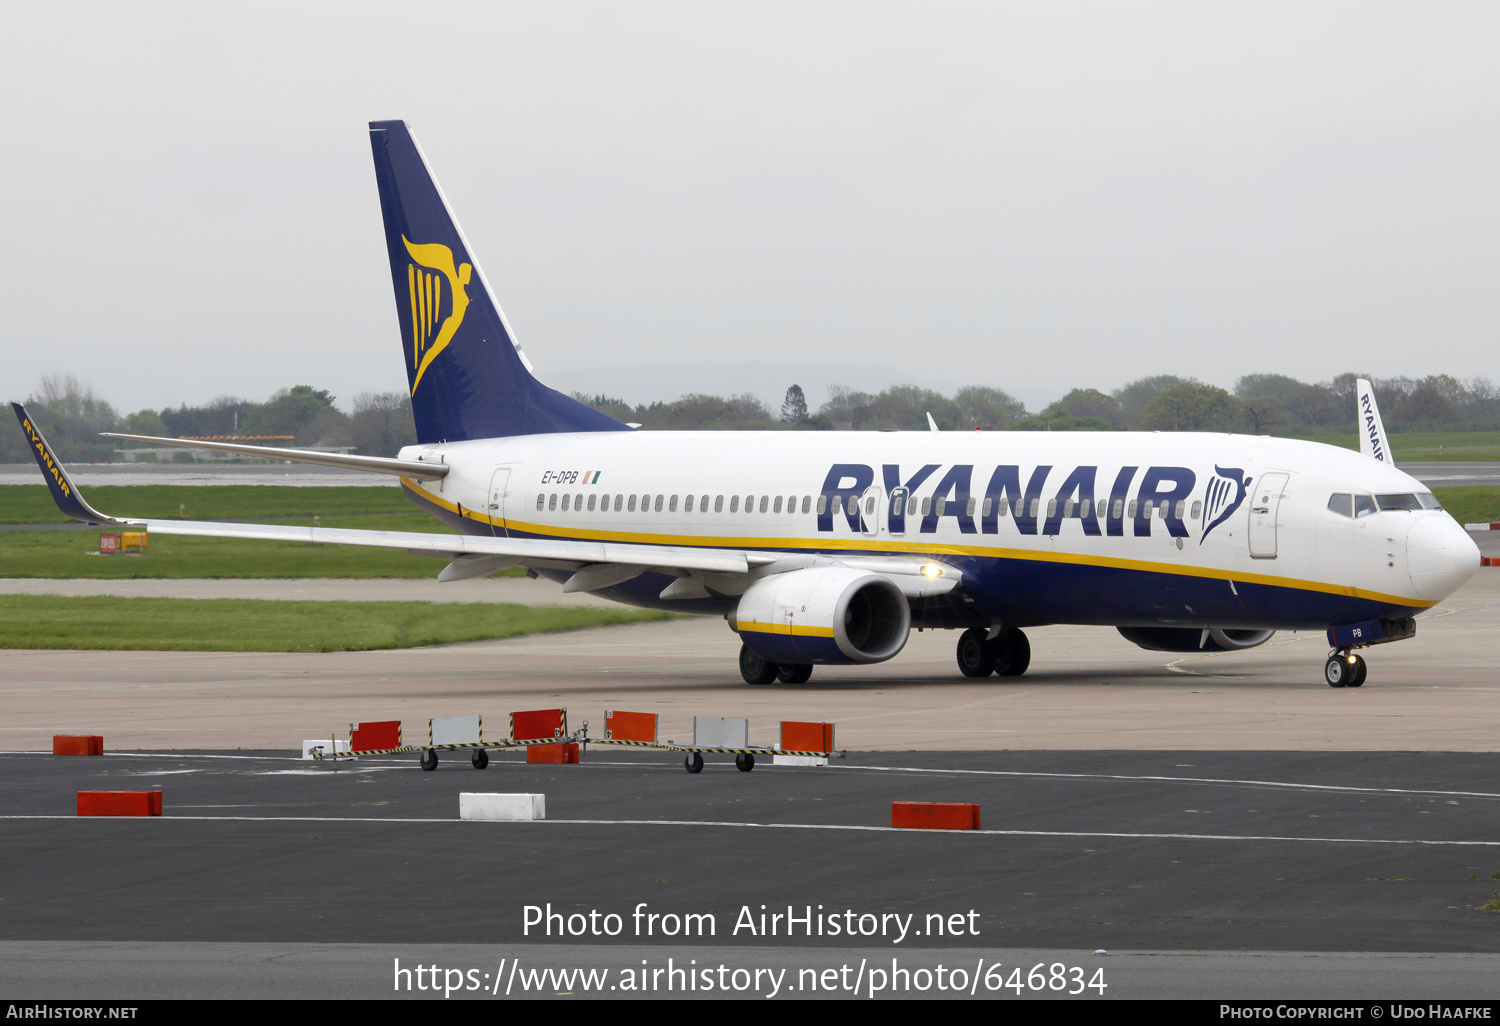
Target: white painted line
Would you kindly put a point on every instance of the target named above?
(1172, 780)
(788, 826)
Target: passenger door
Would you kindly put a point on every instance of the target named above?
(496, 507)
(1265, 505)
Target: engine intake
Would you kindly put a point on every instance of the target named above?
(1194, 639)
(824, 615)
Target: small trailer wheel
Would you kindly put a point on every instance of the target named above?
(429, 760)
(693, 763)
(744, 762)
(480, 758)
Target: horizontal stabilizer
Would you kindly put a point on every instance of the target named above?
(371, 464)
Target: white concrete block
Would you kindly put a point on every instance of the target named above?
(454, 730)
(501, 808)
(799, 760)
(720, 732)
(327, 746)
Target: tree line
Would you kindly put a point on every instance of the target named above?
(71, 414)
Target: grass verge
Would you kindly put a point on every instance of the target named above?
(1476, 505)
(251, 625)
(1427, 446)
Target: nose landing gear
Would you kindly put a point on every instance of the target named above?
(1344, 670)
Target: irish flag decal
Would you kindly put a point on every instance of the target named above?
(591, 476)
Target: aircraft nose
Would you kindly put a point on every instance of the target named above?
(1440, 556)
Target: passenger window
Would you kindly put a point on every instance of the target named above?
(854, 505)
(806, 503)
(688, 504)
(896, 505)
(765, 500)
(1180, 509)
(749, 504)
(658, 503)
(791, 504)
(619, 501)
(822, 504)
(593, 499)
(578, 503)
(1364, 505)
(1119, 507)
(1197, 508)
(565, 503)
(969, 509)
(1068, 508)
(632, 503)
(911, 506)
(552, 502)
(719, 504)
(671, 506)
(1051, 508)
(1341, 503)
(989, 507)
(703, 506)
(778, 505)
(926, 505)
(1036, 505)
(734, 504)
(1002, 509)
(870, 506)
(541, 500)
(940, 505)
(1132, 508)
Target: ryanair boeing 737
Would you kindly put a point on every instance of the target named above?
(830, 547)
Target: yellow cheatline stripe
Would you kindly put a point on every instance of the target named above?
(932, 549)
(783, 628)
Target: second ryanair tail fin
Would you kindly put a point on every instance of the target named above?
(468, 376)
(1371, 431)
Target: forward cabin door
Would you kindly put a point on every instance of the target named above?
(1265, 504)
(496, 507)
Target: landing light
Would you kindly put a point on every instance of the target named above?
(928, 570)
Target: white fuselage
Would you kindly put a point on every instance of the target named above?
(1087, 527)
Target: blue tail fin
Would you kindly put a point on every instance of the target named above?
(468, 378)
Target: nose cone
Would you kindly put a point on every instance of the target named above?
(1440, 556)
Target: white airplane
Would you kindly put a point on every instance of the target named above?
(829, 547)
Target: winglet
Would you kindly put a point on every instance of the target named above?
(64, 493)
(1372, 432)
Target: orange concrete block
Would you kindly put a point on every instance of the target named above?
(935, 815)
(376, 736)
(119, 803)
(77, 744)
(535, 723)
(553, 754)
(1489, 560)
(630, 726)
(806, 737)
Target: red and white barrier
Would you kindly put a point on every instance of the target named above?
(1482, 527)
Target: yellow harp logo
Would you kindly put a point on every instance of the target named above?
(430, 335)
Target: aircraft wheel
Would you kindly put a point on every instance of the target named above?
(693, 763)
(744, 763)
(754, 669)
(1012, 652)
(794, 673)
(480, 758)
(1338, 672)
(429, 760)
(975, 656)
(1360, 670)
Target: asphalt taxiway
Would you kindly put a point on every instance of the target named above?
(1228, 852)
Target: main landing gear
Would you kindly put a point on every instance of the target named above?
(756, 670)
(1344, 670)
(1008, 653)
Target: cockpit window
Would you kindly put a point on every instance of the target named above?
(1342, 503)
(1406, 501)
(1364, 505)
(1428, 500)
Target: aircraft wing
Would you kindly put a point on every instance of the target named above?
(516, 550)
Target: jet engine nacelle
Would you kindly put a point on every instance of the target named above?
(1194, 639)
(824, 615)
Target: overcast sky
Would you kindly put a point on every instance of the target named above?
(1032, 196)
